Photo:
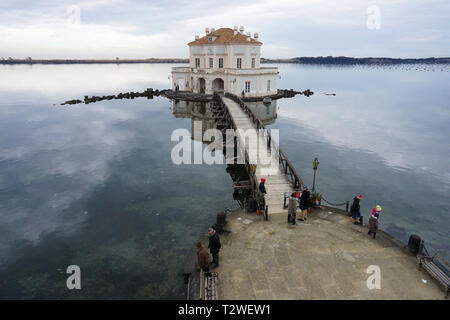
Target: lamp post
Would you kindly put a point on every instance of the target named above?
(315, 166)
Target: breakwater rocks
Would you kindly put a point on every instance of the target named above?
(184, 95)
(188, 96)
(149, 94)
(282, 93)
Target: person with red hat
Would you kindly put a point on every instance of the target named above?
(261, 202)
(262, 188)
(355, 210)
(373, 222)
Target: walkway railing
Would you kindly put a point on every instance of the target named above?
(287, 166)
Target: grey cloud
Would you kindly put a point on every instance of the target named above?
(288, 28)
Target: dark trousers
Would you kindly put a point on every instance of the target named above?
(291, 218)
(263, 204)
(215, 259)
(374, 233)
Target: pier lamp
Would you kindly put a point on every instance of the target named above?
(315, 166)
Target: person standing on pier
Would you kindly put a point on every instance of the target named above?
(304, 203)
(355, 210)
(262, 190)
(214, 247)
(292, 207)
(203, 258)
(373, 221)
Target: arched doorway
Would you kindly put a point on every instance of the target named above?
(201, 85)
(218, 84)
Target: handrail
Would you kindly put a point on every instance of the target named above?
(289, 169)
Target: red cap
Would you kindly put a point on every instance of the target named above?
(359, 197)
(263, 180)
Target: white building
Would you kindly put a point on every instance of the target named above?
(226, 59)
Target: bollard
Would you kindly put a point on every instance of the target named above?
(346, 207)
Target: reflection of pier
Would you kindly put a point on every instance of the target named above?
(197, 111)
(202, 111)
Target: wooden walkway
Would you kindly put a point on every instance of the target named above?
(266, 159)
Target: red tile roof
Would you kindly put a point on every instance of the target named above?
(225, 35)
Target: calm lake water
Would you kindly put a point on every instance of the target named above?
(93, 185)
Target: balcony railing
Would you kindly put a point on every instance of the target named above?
(227, 70)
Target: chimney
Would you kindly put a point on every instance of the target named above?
(256, 36)
(241, 29)
(235, 28)
(212, 30)
(206, 30)
(196, 37)
(248, 36)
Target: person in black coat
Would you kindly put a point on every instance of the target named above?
(214, 246)
(355, 210)
(304, 203)
(262, 188)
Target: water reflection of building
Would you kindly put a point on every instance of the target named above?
(267, 113)
(201, 111)
(197, 111)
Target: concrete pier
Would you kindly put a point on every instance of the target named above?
(325, 258)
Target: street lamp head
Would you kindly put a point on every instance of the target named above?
(315, 163)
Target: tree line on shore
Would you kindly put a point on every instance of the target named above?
(29, 60)
(351, 60)
(301, 60)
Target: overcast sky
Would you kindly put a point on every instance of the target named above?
(144, 29)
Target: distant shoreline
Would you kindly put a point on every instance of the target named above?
(91, 61)
(298, 60)
(350, 60)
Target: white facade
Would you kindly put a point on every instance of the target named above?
(226, 60)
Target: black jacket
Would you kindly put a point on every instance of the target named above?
(214, 243)
(355, 206)
(304, 200)
(262, 188)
